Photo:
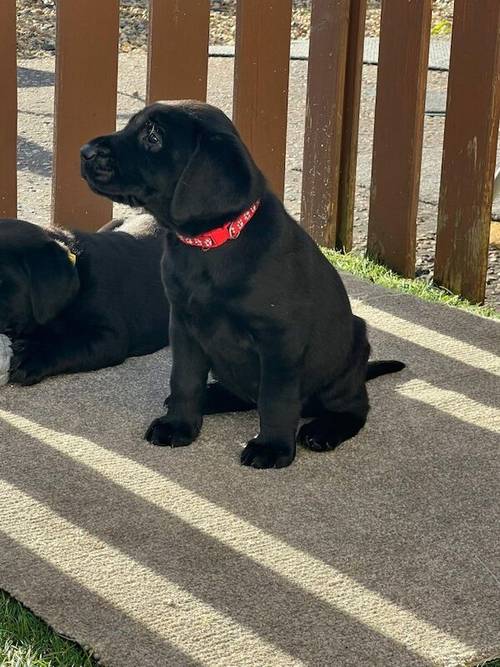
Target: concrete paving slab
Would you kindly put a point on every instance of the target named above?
(439, 51)
(383, 552)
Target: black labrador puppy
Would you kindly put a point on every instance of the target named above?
(76, 301)
(252, 297)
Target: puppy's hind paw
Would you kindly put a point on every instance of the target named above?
(267, 455)
(326, 433)
(312, 436)
(165, 432)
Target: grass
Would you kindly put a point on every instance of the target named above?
(26, 641)
(357, 264)
(441, 28)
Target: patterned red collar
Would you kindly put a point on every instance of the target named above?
(217, 237)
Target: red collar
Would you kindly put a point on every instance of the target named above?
(217, 237)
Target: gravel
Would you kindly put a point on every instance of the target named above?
(37, 19)
(36, 23)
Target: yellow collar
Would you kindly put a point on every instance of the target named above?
(71, 255)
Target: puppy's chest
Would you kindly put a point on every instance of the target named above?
(212, 313)
(200, 302)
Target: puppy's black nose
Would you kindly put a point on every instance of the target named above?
(88, 152)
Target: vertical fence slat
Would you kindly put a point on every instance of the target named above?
(261, 70)
(324, 112)
(178, 49)
(397, 145)
(350, 124)
(470, 144)
(85, 103)
(8, 110)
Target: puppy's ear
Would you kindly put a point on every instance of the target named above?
(219, 179)
(53, 280)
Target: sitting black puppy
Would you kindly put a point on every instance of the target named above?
(252, 297)
(75, 301)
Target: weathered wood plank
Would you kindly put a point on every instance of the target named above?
(85, 104)
(178, 49)
(350, 125)
(470, 144)
(324, 116)
(8, 110)
(399, 121)
(260, 103)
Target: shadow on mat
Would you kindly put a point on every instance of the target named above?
(58, 598)
(396, 510)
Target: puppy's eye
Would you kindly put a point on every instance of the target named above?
(152, 137)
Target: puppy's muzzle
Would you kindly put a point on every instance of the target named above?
(96, 163)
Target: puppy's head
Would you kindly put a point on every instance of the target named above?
(37, 277)
(182, 161)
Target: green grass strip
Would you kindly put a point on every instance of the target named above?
(358, 265)
(26, 641)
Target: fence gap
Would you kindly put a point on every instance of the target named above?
(470, 145)
(178, 49)
(261, 70)
(350, 125)
(399, 120)
(85, 104)
(8, 110)
(324, 113)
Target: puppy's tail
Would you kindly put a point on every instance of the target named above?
(376, 368)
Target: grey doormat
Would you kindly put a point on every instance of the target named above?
(384, 552)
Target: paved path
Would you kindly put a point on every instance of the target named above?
(439, 59)
(384, 552)
(439, 51)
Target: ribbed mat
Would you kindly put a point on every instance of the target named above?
(384, 552)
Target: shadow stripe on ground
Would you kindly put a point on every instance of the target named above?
(170, 612)
(452, 403)
(317, 578)
(447, 345)
(229, 582)
(408, 481)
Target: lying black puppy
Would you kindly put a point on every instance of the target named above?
(253, 299)
(76, 301)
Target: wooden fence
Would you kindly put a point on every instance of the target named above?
(260, 111)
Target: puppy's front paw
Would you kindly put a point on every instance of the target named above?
(28, 364)
(259, 454)
(167, 432)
